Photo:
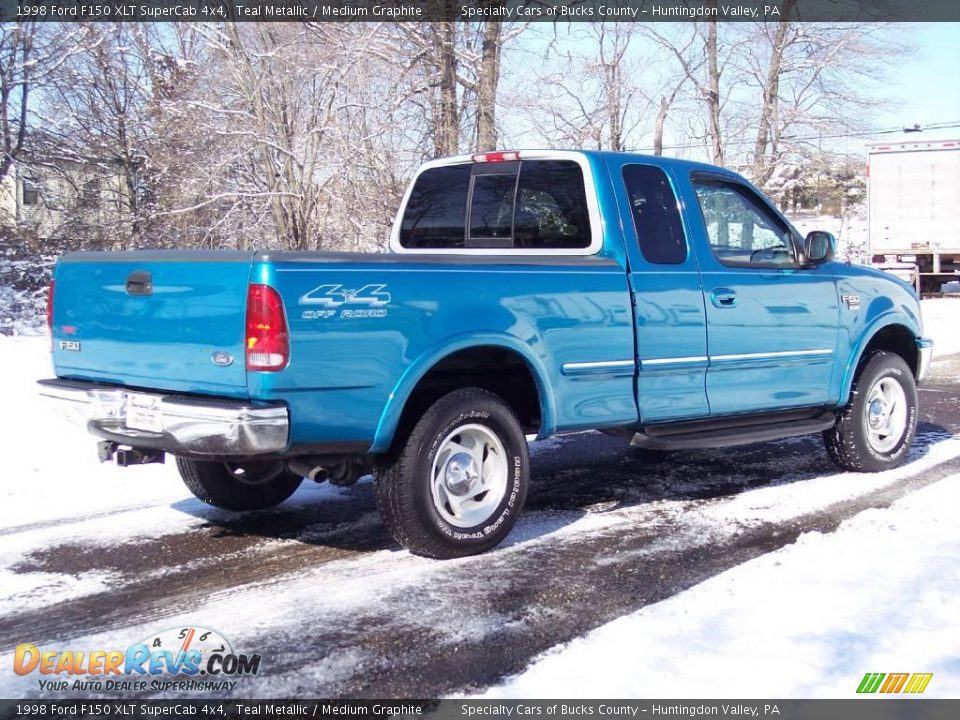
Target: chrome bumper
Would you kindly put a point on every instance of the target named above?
(195, 425)
(924, 356)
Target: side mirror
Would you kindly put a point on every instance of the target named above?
(819, 247)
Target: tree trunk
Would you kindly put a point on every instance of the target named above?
(713, 91)
(666, 102)
(771, 87)
(614, 102)
(487, 86)
(447, 125)
(13, 139)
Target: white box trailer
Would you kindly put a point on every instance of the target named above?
(913, 206)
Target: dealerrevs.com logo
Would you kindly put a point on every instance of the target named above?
(180, 659)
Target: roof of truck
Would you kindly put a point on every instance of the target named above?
(518, 153)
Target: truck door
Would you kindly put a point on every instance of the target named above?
(772, 325)
(669, 316)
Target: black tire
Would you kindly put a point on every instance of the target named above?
(848, 442)
(404, 492)
(241, 486)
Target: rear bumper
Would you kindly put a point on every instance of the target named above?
(190, 425)
(924, 356)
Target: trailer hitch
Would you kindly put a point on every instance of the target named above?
(126, 456)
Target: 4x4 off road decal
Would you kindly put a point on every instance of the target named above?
(369, 301)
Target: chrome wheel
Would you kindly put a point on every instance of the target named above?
(886, 414)
(468, 479)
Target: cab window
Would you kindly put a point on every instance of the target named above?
(741, 229)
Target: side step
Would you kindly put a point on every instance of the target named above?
(730, 431)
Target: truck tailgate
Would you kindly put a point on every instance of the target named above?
(153, 320)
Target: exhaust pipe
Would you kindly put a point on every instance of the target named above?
(336, 469)
(307, 468)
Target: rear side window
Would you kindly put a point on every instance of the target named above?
(551, 206)
(656, 218)
(437, 209)
(531, 204)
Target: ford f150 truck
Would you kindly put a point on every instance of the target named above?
(526, 293)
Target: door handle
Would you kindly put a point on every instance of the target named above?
(139, 283)
(724, 298)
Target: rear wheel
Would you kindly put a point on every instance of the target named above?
(875, 430)
(459, 482)
(238, 486)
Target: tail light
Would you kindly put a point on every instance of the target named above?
(50, 311)
(268, 340)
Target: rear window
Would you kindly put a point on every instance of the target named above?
(531, 204)
(435, 213)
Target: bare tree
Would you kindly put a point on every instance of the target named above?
(809, 79)
(30, 54)
(702, 59)
(770, 95)
(590, 98)
(489, 77)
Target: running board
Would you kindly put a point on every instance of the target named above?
(707, 434)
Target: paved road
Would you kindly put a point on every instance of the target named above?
(336, 609)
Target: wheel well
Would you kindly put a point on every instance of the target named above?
(499, 370)
(896, 339)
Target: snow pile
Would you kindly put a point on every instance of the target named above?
(879, 595)
(941, 321)
(23, 291)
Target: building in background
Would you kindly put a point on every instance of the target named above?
(69, 200)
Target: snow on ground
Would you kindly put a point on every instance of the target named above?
(941, 321)
(55, 490)
(878, 595)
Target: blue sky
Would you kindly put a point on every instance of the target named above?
(927, 85)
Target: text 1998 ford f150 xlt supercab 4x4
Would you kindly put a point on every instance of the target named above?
(527, 293)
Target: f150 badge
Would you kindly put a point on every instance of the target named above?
(369, 301)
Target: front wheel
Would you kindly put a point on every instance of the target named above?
(238, 486)
(875, 430)
(459, 482)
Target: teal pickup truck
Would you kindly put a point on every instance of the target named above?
(526, 293)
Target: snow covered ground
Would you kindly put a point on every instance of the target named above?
(941, 321)
(878, 595)
(882, 594)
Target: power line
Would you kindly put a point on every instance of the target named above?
(859, 134)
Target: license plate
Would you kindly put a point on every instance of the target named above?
(143, 413)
